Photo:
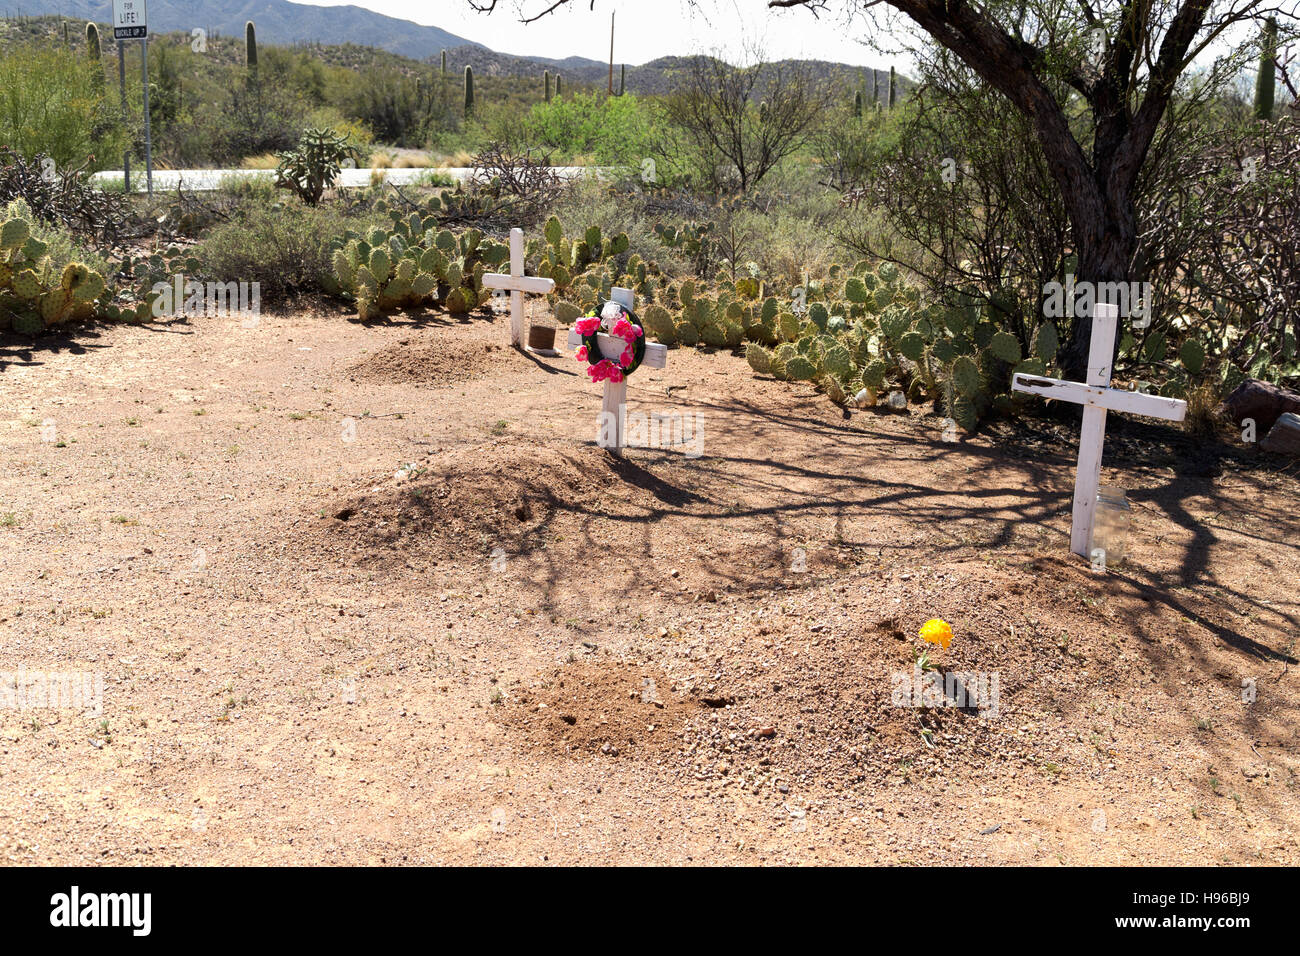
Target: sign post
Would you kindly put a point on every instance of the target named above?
(131, 22)
(121, 78)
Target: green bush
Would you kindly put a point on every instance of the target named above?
(283, 246)
(609, 131)
(50, 103)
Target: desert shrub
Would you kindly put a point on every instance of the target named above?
(728, 127)
(66, 198)
(787, 227)
(282, 245)
(606, 130)
(1221, 248)
(436, 178)
(520, 183)
(242, 121)
(52, 102)
(250, 190)
(393, 106)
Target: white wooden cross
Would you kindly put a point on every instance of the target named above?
(656, 356)
(1096, 397)
(518, 284)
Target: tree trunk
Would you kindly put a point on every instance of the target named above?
(1106, 246)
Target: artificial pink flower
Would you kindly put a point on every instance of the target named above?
(601, 371)
(616, 375)
(586, 326)
(581, 354)
(626, 358)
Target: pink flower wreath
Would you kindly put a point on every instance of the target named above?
(620, 323)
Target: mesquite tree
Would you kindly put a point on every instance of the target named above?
(740, 122)
(1119, 61)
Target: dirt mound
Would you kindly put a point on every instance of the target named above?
(611, 708)
(833, 703)
(495, 499)
(440, 360)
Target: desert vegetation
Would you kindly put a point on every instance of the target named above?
(355, 494)
(835, 232)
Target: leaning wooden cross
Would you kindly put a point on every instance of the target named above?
(613, 411)
(518, 284)
(1096, 397)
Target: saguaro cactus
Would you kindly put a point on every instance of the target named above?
(857, 103)
(469, 90)
(92, 41)
(546, 77)
(622, 79)
(1265, 83)
(559, 80)
(891, 87)
(444, 63)
(250, 49)
(875, 87)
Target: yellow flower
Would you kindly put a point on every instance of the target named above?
(935, 631)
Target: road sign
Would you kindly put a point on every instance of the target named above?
(130, 21)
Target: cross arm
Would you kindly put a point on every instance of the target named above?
(1113, 399)
(656, 355)
(535, 284)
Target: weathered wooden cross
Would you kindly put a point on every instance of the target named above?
(656, 356)
(1096, 397)
(518, 284)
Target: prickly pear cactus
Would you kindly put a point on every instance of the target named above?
(34, 292)
(415, 262)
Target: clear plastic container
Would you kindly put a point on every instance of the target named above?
(1110, 524)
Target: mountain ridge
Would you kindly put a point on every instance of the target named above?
(280, 22)
(285, 23)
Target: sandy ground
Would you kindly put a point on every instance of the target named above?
(371, 594)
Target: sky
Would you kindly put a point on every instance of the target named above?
(645, 29)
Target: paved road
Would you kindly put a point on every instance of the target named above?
(209, 179)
